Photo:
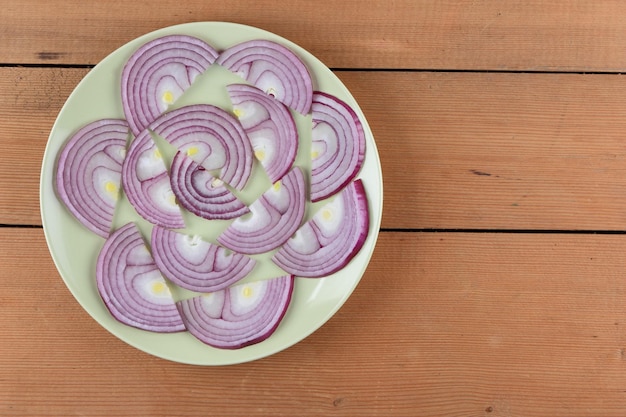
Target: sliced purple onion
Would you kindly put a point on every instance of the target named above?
(131, 285)
(211, 137)
(270, 127)
(201, 193)
(89, 173)
(239, 316)
(275, 216)
(338, 145)
(147, 183)
(158, 73)
(274, 69)
(195, 264)
(327, 242)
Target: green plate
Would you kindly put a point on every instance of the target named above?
(74, 249)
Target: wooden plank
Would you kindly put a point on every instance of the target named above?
(521, 151)
(33, 98)
(486, 34)
(458, 324)
(498, 151)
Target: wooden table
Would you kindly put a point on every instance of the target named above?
(498, 284)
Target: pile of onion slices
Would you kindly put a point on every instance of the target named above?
(216, 151)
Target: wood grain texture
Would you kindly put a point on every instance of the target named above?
(456, 324)
(488, 115)
(469, 34)
(33, 98)
(458, 150)
(498, 151)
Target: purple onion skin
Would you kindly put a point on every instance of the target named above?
(334, 251)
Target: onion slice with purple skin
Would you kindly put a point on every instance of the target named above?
(270, 127)
(131, 285)
(201, 193)
(275, 216)
(274, 69)
(338, 145)
(327, 242)
(239, 316)
(89, 170)
(147, 183)
(195, 264)
(157, 74)
(211, 137)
